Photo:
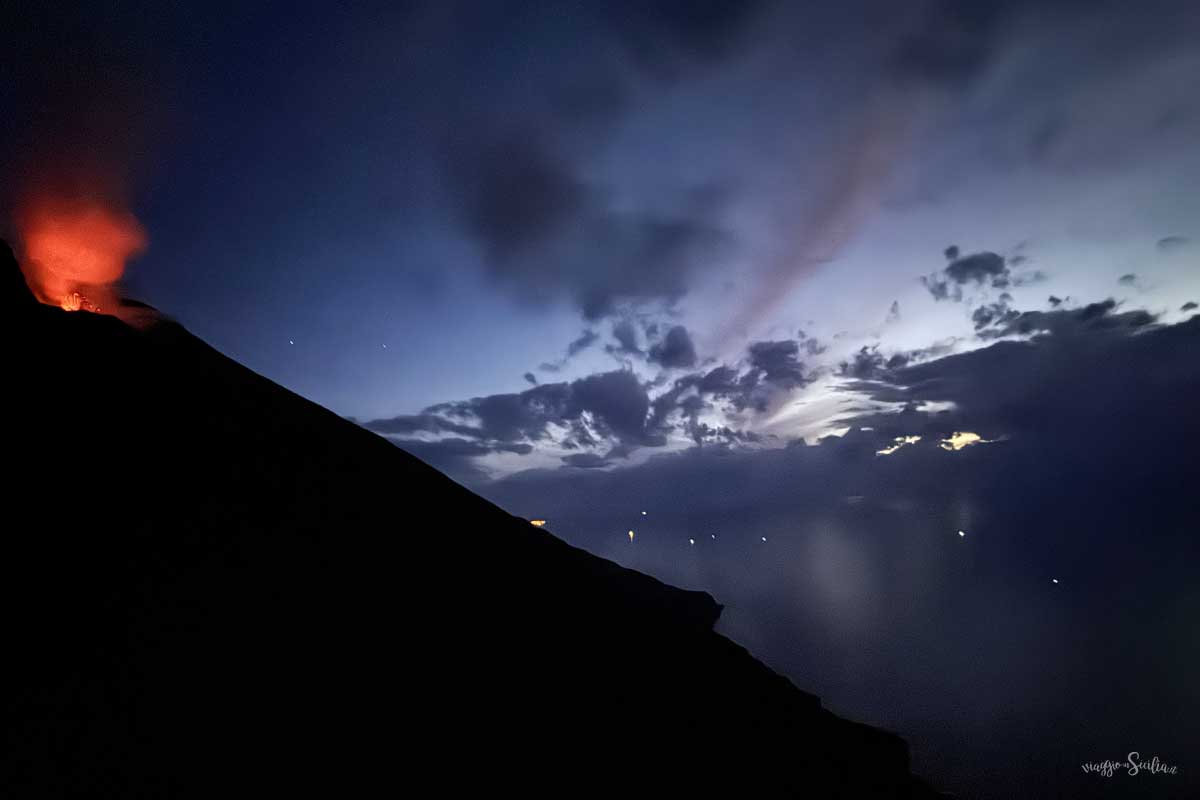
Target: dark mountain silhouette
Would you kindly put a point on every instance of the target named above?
(214, 587)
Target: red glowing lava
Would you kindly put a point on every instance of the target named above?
(75, 249)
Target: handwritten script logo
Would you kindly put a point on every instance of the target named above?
(1133, 764)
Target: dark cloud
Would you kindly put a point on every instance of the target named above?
(406, 425)
(1090, 485)
(514, 193)
(670, 36)
(456, 457)
(893, 314)
(574, 348)
(515, 167)
(977, 268)
(1023, 278)
(618, 401)
(625, 332)
(866, 363)
(1128, 279)
(531, 378)
(1189, 306)
(1054, 302)
(719, 381)
(704, 434)
(1170, 244)
(983, 269)
(940, 288)
(675, 350)
(996, 313)
(770, 367)
(1071, 388)
(585, 340)
(951, 42)
(599, 258)
(1089, 320)
(585, 460)
(615, 403)
(812, 347)
(778, 362)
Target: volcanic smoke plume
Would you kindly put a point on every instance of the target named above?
(75, 249)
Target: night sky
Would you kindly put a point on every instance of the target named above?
(706, 272)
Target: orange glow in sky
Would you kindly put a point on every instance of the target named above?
(76, 247)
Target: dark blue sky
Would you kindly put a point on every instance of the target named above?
(600, 258)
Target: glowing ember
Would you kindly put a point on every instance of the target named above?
(537, 523)
(76, 248)
(72, 302)
(631, 536)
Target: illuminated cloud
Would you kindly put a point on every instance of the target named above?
(900, 441)
(960, 439)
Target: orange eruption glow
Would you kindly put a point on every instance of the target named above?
(75, 249)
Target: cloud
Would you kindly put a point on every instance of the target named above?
(585, 460)
(866, 363)
(979, 270)
(667, 37)
(607, 409)
(778, 362)
(574, 348)
(547, 226)
(1170, 244)
(1090, 486)
(626, 335)
(619, 402)
(950, 44)
(515, 192)
(457, 457)
(675, 350)
(1064, 378)
(893, 314)
(585, 340)
(1091, 319)
(1189, 306)
(996, 313)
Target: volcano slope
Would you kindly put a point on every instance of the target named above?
(212, 586)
